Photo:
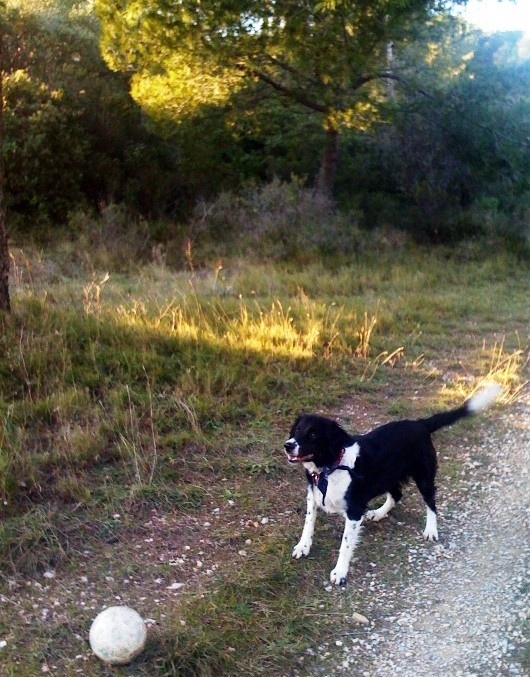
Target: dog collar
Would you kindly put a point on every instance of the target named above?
(320, 479)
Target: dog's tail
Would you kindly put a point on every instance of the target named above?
(476, 403)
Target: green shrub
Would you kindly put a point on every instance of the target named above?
(278, 221)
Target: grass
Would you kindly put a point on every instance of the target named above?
(164, 397)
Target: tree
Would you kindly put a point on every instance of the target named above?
(454, 161)
(74, 138)
(327, 57)
(5, 303)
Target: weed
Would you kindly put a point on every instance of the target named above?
(143, 460)
(92, 293)
(506, 367)
(365, 335)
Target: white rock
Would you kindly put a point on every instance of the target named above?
(359, 618)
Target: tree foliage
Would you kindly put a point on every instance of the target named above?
(239, 95)
(73, 135)
(327, 58)
(456, 154)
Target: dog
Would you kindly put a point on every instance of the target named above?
(345, 472)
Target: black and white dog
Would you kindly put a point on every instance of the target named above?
(344, 472)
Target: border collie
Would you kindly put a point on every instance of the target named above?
(344, 472)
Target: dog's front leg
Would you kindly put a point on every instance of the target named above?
(302, 548)
(350, 538)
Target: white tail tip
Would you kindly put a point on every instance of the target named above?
(484, 397)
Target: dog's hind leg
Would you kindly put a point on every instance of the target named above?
(302, 548)
(376, 515)
(428, 491)
(424, 474)
(431, 526)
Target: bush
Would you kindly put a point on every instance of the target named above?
(277, 221)
(511, 227)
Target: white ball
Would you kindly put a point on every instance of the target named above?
(118, 635)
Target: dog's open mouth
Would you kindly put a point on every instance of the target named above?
(299, 459)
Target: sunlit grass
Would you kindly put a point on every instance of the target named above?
(505, 365)
(244, 326)
(101, 367)
(509, 367)
(98, 372)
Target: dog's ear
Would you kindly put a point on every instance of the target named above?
(338, 438)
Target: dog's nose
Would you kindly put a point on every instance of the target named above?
(289, 446)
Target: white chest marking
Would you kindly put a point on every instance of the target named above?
(338, 483)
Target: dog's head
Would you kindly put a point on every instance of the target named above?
(315, 439)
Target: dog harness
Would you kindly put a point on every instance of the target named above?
(320, 479)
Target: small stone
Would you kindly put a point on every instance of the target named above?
(359, 618)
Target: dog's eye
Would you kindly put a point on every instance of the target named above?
(312, 434)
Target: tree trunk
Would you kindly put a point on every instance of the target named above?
(5, 303)
(390, 84)
(328, 165)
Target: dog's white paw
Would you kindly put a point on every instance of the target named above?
(430, 534)
(431, 526)
(301, 550)
(375, 515)
(338, 576)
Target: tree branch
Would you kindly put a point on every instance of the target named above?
(294, 94)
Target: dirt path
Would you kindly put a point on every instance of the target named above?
(464, 608)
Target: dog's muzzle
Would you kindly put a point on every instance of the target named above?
(292, 450)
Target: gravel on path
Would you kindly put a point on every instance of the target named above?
(464, 609)
(470, 608)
